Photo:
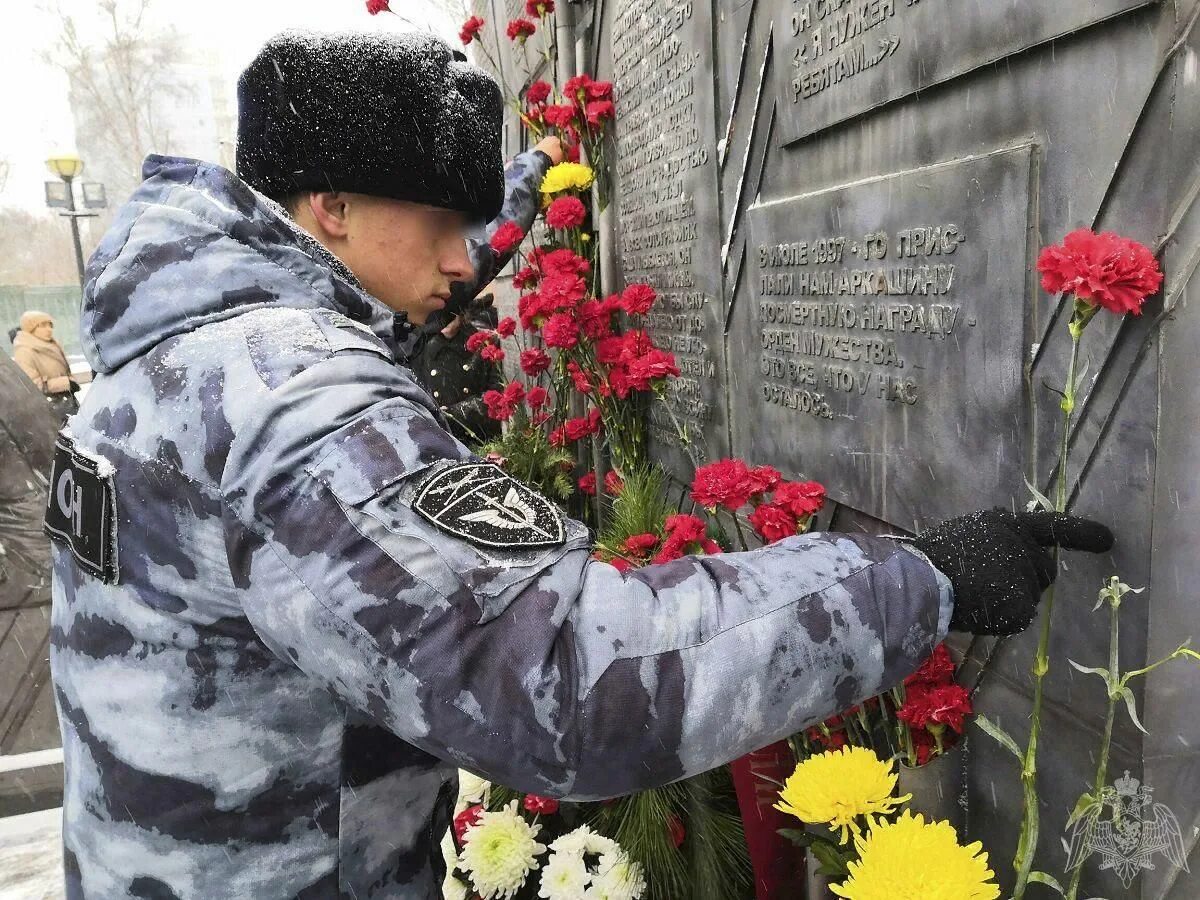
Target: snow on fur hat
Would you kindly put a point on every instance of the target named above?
(391, 115)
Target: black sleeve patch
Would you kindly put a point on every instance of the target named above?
(81, 509)
(485, 505)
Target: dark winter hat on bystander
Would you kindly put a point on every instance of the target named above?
(391, 115)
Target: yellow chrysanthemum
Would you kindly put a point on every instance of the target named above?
(836, 787)
(910, 859)
(566, 176)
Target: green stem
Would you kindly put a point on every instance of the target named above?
(737, 526)
(1110, 716)
(1027, 843)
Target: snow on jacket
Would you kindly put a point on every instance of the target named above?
(273, 697)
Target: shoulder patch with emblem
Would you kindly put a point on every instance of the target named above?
(483, 504)
(81, 509)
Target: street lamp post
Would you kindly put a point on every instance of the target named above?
(68, 168)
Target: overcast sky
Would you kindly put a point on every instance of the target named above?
(35, 119)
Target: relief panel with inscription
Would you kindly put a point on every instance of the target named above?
(666, 202)
(884, 344)
(841, 58)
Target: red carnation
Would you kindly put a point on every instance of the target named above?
(676, 830)
(943, 704)
(477, 340)
(640, 545)
(725, 482)
(576, 429)
(514, 392)
(558, 437)
(507, 327)
(561, 330)
(937, 669)
(375, 7)
(613, 483)
(534, 362)
(560, 116)
(562, 290)
(537, 397)
(466, 819)
(524, 278)
(539, 805)
(579, 378)
(599, 111)
(621, 565)
(520, 30)
(576, 89)
(599, 90)
(492, 353)
(471, 29)
(563, 262)
(507, 238)
(803, 498)
(566, 212)
(539, 8)
(773, 523)
(764, 479)
(498, 406)
(653, 366)
(539, 92)
(587, 484)
(637, 299)
(1101, 269)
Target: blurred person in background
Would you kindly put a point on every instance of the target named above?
(43, 359)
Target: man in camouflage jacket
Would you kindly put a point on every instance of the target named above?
(288, 605)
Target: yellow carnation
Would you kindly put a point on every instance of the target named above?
(567, 176)
(836, 787)
(911, 860)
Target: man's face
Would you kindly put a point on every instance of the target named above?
(405, 254)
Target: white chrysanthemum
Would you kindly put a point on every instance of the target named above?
(584, 840)
(499, 852)
(619, 878)
(472, 789)
(564, 877)
(453, 889)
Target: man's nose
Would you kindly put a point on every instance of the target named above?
(456, 262)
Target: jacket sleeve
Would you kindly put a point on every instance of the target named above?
(542, 668)
(522, 178)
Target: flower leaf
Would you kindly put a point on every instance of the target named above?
(998, 734)
(1132, 707)
(832, 862)
(1086, 803)
(1041, 498)
(1081, 374)
(1048, 880)
(1088, 670)
(799, 836)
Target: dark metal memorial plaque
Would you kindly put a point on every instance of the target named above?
(888, 333)
(840, 58)
(667, 207)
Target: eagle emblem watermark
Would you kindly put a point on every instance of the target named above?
(1128, 840)
(483, 504)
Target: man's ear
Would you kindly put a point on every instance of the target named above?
(331, 212)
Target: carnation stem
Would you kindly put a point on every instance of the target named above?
(1027, 843)
(737, 526)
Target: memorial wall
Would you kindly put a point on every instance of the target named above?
(840, 203)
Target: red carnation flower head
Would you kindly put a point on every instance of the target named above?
(928, 705)
(640, 545)
(676, 830)
(559, 115)
(506, 327)
(587, 484)
(492, 353)
(595, 319)
(613, 483)
(470, 29)
(524, 278)
(564, 262)
(534, 309)
(572, 152)
(579, 378)
(637, 299)
(609, 349)
(937, 669)
(539, 92)
(466, 820)
(375, 7)
(539, 8)
(803, 498)
(520, 29)
(764, 479)
(540, 806)
(575, 89)
(507, 238)
(725, 482)
(599, 90)
(773, 523)
(514, 392)
(534, 361)
(537, 397)
(561, 330)
(558, 437)
(1104, 270)
(477, 340)
(566, 212)
(650, 368)
(499, 407)
(598, 112)
(621, 565)
(579, 428)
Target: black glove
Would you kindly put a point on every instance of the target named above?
(995, 562)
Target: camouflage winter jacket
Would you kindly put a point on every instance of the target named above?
(288, 604)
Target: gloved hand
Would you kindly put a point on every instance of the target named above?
(997, 565)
